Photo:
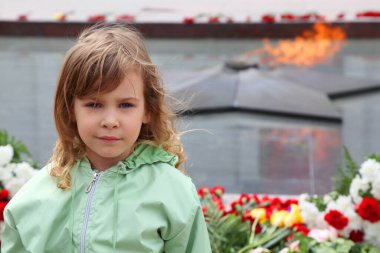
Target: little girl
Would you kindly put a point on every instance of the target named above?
(114, 183)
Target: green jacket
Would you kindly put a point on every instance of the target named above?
(142, 204)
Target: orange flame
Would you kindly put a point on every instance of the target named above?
(310, 48)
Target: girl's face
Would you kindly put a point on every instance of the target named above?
(110, 124)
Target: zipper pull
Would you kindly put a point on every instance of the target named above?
(95, 178)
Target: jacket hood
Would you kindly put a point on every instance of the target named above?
(144, 154)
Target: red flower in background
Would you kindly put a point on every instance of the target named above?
(247, 217)
(288, 17)
(336, 219)
(368, 14)
(301, 228)
(203, 191)
(236, 206)
(188, 20)
(255, 198)
(217, 191)
(289, 202)
(96, 18)
(204, 209)
(356, 236)
(276, 204)
(213, 19)
(125, 18)
(4, 194)
(22, 17)
(268, 18)
(369, 209)
(3, 204)
(244, 198)
(218, 202)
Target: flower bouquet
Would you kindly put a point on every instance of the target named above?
(352, 211)
(14, 172)
(249, 223)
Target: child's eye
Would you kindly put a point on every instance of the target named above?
(93, 105)
(126, 105)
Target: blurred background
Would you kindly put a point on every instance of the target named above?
(274, 90)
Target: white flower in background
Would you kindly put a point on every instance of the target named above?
(322, 235)
(14, 185)
(6, 154)
(370, 169)
(24, 171)
(358, 184)
(372, 231)
(311, 215)
(6, 177)
(341, 204)
(375, 191)
(354, 221)
(327, 199)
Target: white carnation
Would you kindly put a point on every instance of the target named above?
(341, 204)
(6, 177)
(24, 171)
(6, 154)
(370, 169)
(376, 188)
(354, 222)
(358, 184)
(311, 215)
(327, 199)
(372, 231)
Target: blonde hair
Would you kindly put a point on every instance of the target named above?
(97, 63)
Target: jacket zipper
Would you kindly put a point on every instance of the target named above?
(90, 190)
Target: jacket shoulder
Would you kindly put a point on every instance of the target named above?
(175, 181)
(40, 184)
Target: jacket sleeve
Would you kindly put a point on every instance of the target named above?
(11, 241)
(193, 238)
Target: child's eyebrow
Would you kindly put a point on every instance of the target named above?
(129, 98)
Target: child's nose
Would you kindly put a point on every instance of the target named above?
(110, 121)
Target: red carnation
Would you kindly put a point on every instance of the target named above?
(236, 206)
(188, 20)
(96, 18)
(289, 202)
(203, 191)
(217, 190)
(218, 202)
(213, 19)
(22, 17)
(288, 17)
(255, 198)
(301, 228)
(244, 198)
(368, 14)
(268, 18)
(125, 18)
(4, 194)
(276, 204)
(336, 219)
(369, 209)
(3, 204)
(356, 236)
(204, 209)
(247, 217)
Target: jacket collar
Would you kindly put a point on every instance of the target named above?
(144, 154)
